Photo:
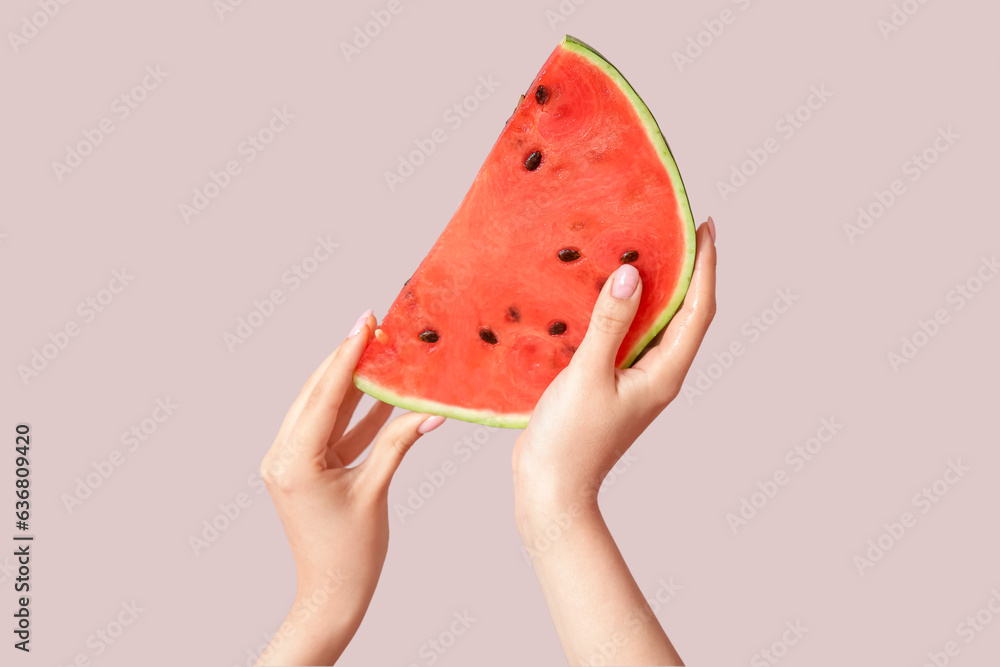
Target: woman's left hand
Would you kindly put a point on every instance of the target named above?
(336, 518)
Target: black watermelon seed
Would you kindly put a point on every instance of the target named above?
(557, 329)
(533, 161)
(429, 336)
(488, 336)
(568, 255)
(513, 315)
(407, 282)
(630, 257)
(542, 95)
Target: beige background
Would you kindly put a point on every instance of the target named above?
(162, 336)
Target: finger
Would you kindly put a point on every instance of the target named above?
(353, 396)
(346, 450)
(310, 385)
(310, 433)
(293, 412)
(610, 321)
(274, 462)
(391, 446)
(347, 407)
(668, 363)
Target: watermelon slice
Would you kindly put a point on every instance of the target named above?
(580, 181)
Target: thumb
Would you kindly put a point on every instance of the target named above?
(392, 444)
(611, 319)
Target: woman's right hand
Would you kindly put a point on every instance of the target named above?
(592, 412)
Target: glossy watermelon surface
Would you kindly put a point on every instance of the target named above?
(579, 181)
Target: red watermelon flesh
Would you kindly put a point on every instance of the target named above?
(579, 181)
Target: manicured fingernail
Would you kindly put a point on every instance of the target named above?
(626, 280)
(430, 424)
(711, 228)
(360, 323)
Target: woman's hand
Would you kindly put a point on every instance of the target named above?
(585, 421)
(593, 412)
(336, 518)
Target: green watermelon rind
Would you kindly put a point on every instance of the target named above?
(655, 136)
(683, 205)
(415, 404)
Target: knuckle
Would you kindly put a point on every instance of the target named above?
(708, 316)
(703, 311)
(710, 309)
(315, 399)
(275, 474)
(668, 392)
(610, 323)
(400, 444)
(283, 482)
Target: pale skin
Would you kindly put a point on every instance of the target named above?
(336, 518)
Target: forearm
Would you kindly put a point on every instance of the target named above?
(598, 610)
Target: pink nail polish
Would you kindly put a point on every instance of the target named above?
(360, 323)
(711, 228)
(626, 280)
(430, 424)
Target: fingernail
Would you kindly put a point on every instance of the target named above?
(711, 228)
(430, 424)
(360, 323)
(626, 280)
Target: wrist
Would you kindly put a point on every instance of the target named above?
(309, 635)
(330, 603)
(551, 507)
